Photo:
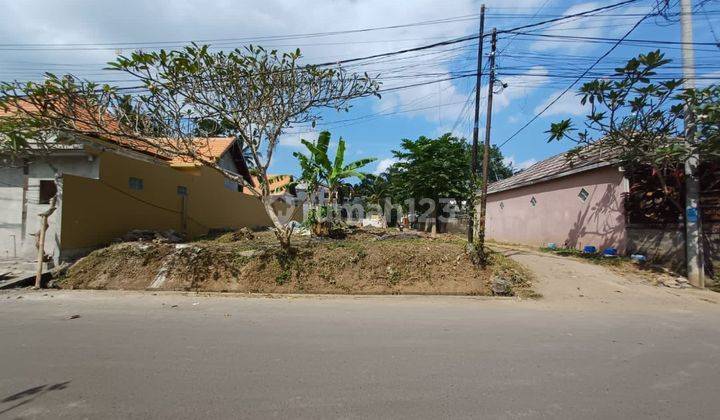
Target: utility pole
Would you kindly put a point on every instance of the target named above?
(693, 231)
(474, 163)
(486, 151)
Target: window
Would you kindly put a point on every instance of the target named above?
(48, 189)
(502, 205)
(182, 190)
(533, 201)
(583, 194)
(135, 183)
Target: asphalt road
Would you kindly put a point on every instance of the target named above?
(133, 355)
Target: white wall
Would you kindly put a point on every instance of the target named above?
(18, 236)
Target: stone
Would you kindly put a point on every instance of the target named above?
(501, 287)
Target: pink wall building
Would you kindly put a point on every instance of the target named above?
(572, 204)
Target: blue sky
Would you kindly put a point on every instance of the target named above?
(535, 69)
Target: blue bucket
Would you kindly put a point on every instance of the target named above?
(610, 252)
(589, 249)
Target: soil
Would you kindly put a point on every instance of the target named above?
(569, 282)
(366, 262)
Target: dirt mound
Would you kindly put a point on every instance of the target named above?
(356, 265)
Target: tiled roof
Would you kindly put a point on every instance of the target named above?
(558, 166)
(210, 148)
(278, 184)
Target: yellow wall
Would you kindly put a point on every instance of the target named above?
(96, 211)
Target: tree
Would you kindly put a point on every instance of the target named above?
(498, 168)
(317, 170)
(375, 190)
(433, 169)
(639, 119)
(252, 93)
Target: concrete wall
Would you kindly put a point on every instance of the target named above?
(666, 246)
(97, 210)
(559, 215)
(20, 193)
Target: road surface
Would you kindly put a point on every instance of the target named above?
(138, 355)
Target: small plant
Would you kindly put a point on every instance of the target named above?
(393, 276)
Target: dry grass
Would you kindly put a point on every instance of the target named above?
(364, 263)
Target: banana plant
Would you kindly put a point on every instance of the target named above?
(317, 170)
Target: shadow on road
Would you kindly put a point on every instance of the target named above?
(30, 394)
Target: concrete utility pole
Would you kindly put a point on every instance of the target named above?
(478, 81)
(486, 152)
(693, 231)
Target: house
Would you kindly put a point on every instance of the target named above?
(279, 184)
(107, 187)
(591, 199)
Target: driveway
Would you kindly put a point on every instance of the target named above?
(572, 283)
(142, 355)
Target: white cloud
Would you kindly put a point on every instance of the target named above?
(384, 164)
(294, 140)
(519, 86)
(601, 25)
(568, 105)
(510, 160)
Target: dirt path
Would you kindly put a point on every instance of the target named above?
(569, 282)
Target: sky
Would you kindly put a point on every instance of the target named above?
(80, 36)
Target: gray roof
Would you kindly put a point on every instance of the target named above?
(558, 166)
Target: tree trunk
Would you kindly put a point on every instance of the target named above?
(41, 240)
(282, 231)
(434, 230)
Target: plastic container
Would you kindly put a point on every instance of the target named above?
(610, 252)
(552, 245)
(589, 249)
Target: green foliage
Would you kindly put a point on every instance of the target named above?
(317, 170)
(433, 168)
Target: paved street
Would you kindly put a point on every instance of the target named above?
(133, 355)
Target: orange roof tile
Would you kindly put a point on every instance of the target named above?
(210, 148)
(278, 183)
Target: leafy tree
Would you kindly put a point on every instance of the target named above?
(433, 169)
(252, 93)
(641, 121)
(498, 169)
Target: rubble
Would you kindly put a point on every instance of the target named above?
(676, 283)
(169, 236)
(501, 287)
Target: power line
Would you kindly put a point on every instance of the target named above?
(114, 45)
(592, 38)
(619, 41)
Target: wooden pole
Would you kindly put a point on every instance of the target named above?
(474, 162)
(486, 151)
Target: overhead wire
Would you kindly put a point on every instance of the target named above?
(577, 79)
